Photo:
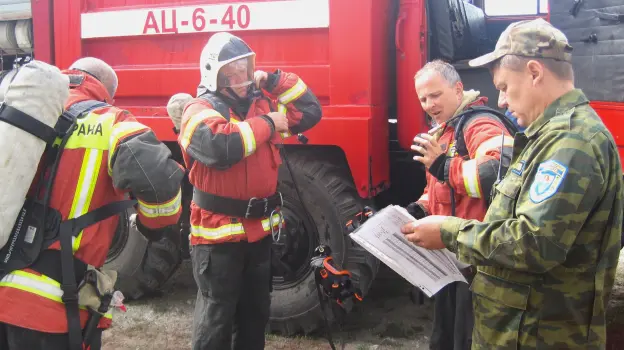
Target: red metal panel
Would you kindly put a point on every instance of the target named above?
(346, 65)
(42, 35)
(411, 56)
(612, 114)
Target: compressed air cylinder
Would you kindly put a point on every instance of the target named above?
(39, 90)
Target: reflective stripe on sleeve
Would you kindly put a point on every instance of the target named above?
(249, 141)
(282, 109)
(193, 123)
(493, 143)
(293, 93)
(471, 178)
(169, 208)
(120, 131)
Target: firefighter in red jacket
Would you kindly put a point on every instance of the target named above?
(230, 136)
(108, 155)
(460, 176)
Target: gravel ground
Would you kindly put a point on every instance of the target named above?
(387, 319)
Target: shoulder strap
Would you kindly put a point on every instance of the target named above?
(217, 103)
(80, 109)
(467, 116)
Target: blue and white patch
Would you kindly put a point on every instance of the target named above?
(548, 179)
(518, 168)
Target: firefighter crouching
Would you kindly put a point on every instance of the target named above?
(108, 155)
(229, 138)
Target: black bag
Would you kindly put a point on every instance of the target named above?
(458, 30)
(38, 225)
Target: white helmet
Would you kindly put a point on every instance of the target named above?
(225, 49)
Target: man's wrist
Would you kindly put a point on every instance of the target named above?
(270, 122)
(437, 167)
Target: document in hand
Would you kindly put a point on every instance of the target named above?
(429, 270)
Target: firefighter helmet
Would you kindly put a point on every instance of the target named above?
(224, 49)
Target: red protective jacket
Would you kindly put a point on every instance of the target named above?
(236, 157)
(108, 155)
(472, 177)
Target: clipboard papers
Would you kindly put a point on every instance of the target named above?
(429, 270)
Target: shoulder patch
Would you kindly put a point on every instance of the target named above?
(518, 167)
(548, 179)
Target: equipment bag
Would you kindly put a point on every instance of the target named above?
(38, 225)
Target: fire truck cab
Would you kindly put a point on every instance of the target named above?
(358, 56)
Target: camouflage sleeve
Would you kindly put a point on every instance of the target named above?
(562, 184)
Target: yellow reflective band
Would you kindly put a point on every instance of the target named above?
(249, 141)
(293, 93)
(493, 144)
(92, 131)
(40, 285)
(282, 109)
(217, 232)
(229, 229)
(266, 225)
(89, 172)
(120, 131)
(424, 197)
(169, 208)
(193, 123)
(471, 178)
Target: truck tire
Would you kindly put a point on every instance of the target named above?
(142, 267)
(330, 196)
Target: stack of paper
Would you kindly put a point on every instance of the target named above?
(429, 270)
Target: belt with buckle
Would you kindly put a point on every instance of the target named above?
(254, 208)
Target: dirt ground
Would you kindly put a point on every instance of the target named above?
(387, 319)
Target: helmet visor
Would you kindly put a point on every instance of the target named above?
(237, 74)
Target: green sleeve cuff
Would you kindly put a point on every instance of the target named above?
(449, 231)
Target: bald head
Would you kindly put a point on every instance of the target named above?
(99, 69)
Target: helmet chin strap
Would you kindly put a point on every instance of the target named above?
(242, 103)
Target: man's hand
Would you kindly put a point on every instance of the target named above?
(429, 148)
(425, 232)
(260, 78)
(280, 121)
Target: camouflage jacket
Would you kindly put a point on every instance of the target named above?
(548, 248)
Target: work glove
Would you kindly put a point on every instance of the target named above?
(417, 210)
(150, 234)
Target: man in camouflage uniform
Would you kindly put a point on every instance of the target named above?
(547, 250)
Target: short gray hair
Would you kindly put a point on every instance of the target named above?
(445, 69)
(100, 70)
(561, 69)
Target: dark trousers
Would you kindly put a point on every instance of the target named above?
(453, 318)
(16, 338)
(234, 296)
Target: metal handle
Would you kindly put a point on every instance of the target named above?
(397, 40)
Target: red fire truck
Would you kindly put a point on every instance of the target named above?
(358, 56)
